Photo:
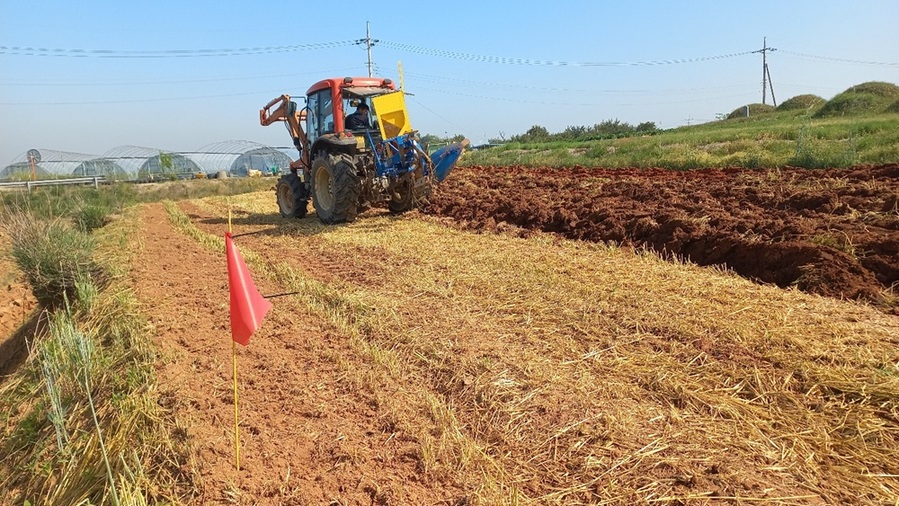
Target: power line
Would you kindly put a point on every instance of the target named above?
(165, 53)
(369, 42)
(145, 82)
(518, 86)
(840, 60)
(552, 63)
(569, 103)
(142, 100)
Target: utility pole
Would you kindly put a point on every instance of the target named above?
(369, 42)
(766, 74)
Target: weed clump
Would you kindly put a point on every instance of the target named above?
(55, 258)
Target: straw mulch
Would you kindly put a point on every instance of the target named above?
(544, 371)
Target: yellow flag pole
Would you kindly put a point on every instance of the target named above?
(234, 370)
(236, 423)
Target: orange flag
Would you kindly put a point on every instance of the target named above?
(248, 307)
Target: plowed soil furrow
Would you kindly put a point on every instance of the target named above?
(829, 232)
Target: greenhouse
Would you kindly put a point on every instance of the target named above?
(234, 158)
(238, 158)
(44, 164)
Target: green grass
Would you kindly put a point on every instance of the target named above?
(858, 126)
(777, 139)
(95, 205)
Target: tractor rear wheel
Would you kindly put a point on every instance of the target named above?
(335, 188)
(292, 195)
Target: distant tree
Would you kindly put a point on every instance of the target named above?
(536, 133)
(431, 138)
(612, 128)
(166, 165)
(573, 133)
(608, 129)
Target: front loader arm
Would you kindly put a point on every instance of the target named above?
(283, 109)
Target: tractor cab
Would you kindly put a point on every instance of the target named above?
(330, 101)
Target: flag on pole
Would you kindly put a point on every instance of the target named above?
(248, 307)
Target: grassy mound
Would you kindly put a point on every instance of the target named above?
(866, 98)
(801, 102)
(754, 110)
(881, 89)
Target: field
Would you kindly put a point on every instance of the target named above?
(540, 336)
(831, 232)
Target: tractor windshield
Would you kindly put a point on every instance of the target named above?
(358, 114)
(358, 101)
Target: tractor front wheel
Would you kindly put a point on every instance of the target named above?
(292, 195)
(335, 188)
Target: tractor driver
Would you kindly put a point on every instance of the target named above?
(359, 119)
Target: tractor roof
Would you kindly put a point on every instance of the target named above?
(361, 86)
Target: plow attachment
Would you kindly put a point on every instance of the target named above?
(445, 158)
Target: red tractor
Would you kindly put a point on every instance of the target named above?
(346, 170)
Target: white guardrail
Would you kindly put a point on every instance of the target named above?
(94, 180)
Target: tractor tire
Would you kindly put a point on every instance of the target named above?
(401, 199)
(292, 195)
(335, 188)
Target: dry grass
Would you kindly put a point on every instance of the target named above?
(82, 419)
(545, 371)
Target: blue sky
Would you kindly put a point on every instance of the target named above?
(482, 69)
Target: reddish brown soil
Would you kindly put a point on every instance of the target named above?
(829, 232)
(18, 317)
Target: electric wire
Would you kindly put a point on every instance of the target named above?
(166, 53)
(839, 60)
(520, 86)
(553, 63)
(146, 82)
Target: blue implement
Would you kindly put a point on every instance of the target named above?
(445, 159)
